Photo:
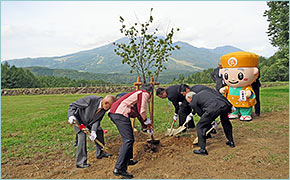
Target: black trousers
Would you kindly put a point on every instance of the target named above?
(183, 112)
(208, 117)
(125, 129)
(257, 105)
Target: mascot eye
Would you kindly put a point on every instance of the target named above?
(240, 76)
(226, 76)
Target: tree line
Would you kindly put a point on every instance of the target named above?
(13, 77)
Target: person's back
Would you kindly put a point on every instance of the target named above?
(173, 93)
(205, 99)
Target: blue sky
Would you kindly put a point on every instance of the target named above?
(53, 28)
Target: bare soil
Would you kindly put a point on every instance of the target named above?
(261, 152)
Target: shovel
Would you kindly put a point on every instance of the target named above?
(152, 140)
(86, 131)
(180, 129)
(207, 132)
(169, 132)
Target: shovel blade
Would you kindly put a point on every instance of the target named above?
(169, 132)
(155, 142)
(178, 130)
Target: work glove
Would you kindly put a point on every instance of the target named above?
(189, 117)
(175, 117)
(71, 119)
(214, 125)
(93, 135)
(147, 122)
(150, 132)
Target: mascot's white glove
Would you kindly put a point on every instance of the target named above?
(147, 122)
(175, 117)
(189, 117)
(71, 119)
(93, 135)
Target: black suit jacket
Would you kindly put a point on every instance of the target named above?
(85, 110)
(208, 101)
(217, 78)
(174, 96)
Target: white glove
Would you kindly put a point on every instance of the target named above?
(150, 132)
(175, 117)
(93, 135)
(179, 103)
(214, 125)
(233, 109)
(147, 122)
(71, 119)
(189, 117)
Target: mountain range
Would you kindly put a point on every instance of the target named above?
(104, 60)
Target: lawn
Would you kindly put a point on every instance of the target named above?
(34, 125)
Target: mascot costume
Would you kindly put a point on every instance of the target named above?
(239, 70)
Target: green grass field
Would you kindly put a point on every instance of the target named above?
(33, 125)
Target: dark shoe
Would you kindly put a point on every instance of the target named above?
(231, 144)
(83, 166)
(132, 162)
(123, 173)
(257, 114)
(103, 155)
(200, 152)
(208, 136)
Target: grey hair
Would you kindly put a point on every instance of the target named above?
(189, 94)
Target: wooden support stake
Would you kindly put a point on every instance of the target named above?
(137, 84)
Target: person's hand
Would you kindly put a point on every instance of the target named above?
(93, 135)
(175, 117)
(189, 117)
(147, 122)
(71, 119)
(150, 132)
(214, 125)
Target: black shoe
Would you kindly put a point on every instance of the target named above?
(83, 166)
(200, 152)
(123, 173)
(132, 162)
(208, 136)
(231, 144)
(103, 155)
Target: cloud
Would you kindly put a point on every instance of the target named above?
(58, 28)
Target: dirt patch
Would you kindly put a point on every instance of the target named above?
(261, 152)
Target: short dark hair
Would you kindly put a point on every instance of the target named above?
(147, 87)
(159, 91)
(183, 87)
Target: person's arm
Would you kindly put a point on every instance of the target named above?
(175, 104)
(142, 101)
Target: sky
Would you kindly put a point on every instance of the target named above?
(56, 28)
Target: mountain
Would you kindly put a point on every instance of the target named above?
(115, 78)
(104, 60)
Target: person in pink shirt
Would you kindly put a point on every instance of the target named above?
(129, 105)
